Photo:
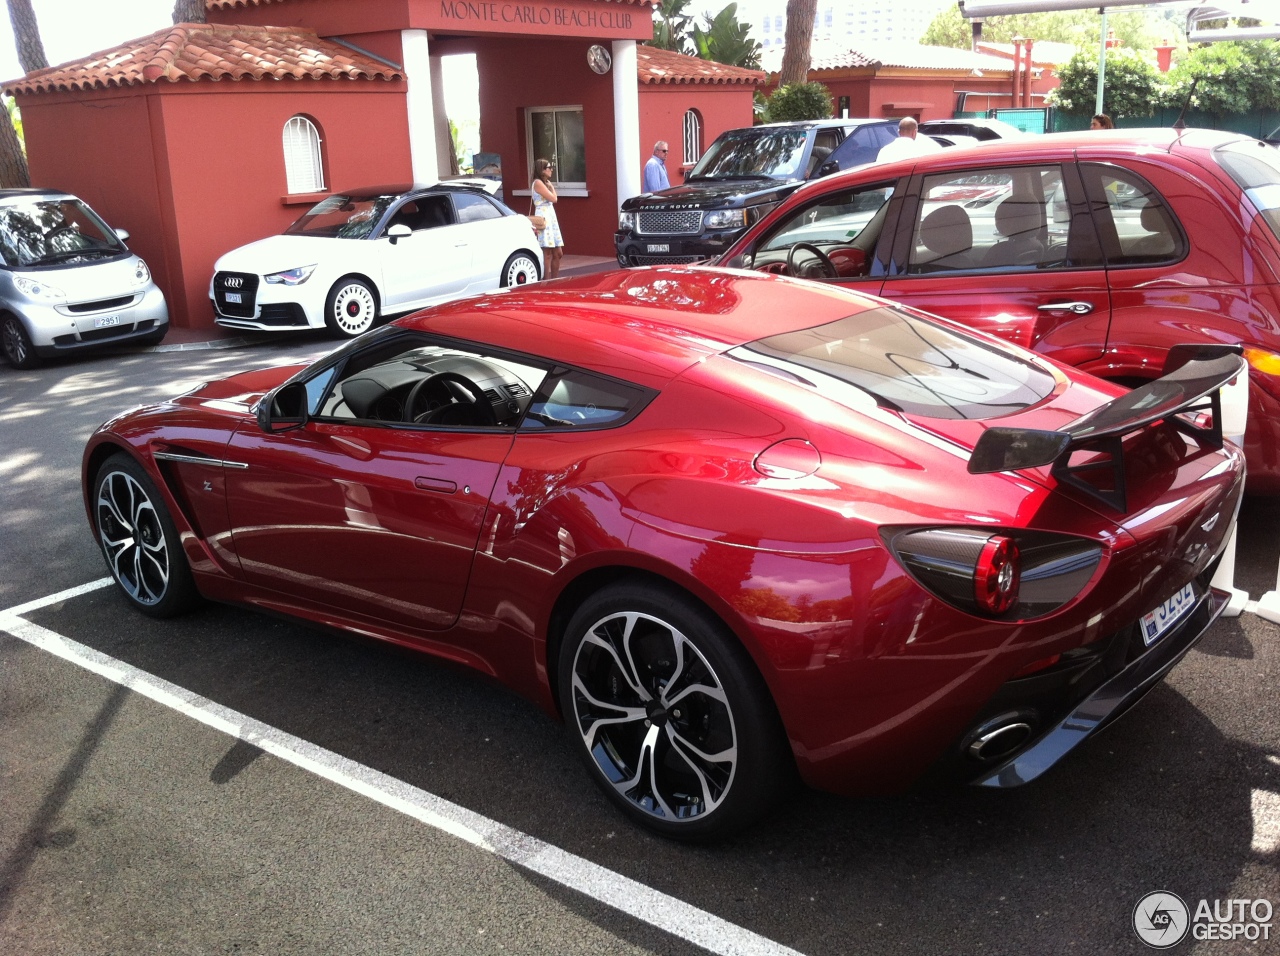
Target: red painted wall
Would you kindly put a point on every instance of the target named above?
(515, 75)
(195, 169)
(662, 110)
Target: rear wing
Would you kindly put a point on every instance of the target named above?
(1192, 380)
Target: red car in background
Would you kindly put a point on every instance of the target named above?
(728, 525)
(1100, 249)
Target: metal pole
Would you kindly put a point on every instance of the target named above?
(1102, 61)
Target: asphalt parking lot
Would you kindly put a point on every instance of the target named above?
(228, 782)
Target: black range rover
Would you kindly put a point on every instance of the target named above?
(741, 176)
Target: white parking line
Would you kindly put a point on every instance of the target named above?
(622, 893)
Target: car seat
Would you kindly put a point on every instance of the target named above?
(1018, 221)
(948, 235)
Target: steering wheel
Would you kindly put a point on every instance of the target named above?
(461, 392)
(829, 270)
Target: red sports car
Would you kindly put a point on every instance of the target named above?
(1101, 249)
(727, 525)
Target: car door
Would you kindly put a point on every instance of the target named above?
(433, 262)
(1010, 250)
(860, 147)
(357, 511)
(489, 233)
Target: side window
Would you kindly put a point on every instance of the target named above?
(824, 144)
(474, 208)
(863, 145)
(693, 136)
(581, 400)
(839, 233)
(303, 161)
(1136, 226)
(425, 212)
(409, 379)
(1011, 220)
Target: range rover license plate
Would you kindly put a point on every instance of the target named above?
(1157, 622)
(103, 321)
(658, 247)
(234, 297)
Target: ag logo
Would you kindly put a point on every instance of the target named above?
(1161, 920)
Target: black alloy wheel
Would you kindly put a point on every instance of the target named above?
(16, 344)
(670, 714)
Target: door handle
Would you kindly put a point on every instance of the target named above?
(435, 484)
(1079, 308)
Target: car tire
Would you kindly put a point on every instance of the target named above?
(351, 308)
(139, 541)
(652, 685)
(521, 269)
(17, 347)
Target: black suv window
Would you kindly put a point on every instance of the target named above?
(863, 145)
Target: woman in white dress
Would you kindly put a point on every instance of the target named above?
(544, 200)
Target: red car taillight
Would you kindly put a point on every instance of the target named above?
(1009, 574)
(997, 575)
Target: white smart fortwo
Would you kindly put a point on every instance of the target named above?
(370, 252)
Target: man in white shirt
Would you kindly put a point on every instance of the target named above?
(909, 143)
(655, 170)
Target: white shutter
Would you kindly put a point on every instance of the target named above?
(303, 170)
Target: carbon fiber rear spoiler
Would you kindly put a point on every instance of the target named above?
(1192, 379)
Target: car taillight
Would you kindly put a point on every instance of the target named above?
(997, 575)
(1008, 574)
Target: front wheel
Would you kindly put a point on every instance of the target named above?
(18, 350)
(669, 713)
(351, 308)
(139, 540)
(521, 269)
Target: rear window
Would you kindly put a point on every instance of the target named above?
(1255, 167)
(905, 363)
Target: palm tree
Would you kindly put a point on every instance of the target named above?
(795, 56)
(725, 40)
(671, 26)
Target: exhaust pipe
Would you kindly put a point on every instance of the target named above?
(1001, 736)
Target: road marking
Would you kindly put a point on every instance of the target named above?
(590, 879)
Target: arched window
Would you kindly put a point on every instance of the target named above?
(692, 137)
(303, 165)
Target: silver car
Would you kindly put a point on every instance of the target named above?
(68, 282)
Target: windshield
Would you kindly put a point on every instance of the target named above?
(54, 232)
(342, 217)
(1255, 167)
(757, 152)
(905, 363)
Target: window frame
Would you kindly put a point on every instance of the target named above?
(306, 139)
(564, 187)
(692, 129)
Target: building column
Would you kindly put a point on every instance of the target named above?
(626, 119)
(419, 102)
(440, 116)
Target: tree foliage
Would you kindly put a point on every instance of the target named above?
(799, 42)
(723, 39)
(671, 25)
(1083, 28)
(1230, 77)
(1132, 84)
(799, 101)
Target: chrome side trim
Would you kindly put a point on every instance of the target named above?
(198, 460)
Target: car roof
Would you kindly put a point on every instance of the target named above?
(400, 189)
(33, 192)
(643, 325)
(820, 124)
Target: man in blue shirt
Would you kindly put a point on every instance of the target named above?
(655, 170)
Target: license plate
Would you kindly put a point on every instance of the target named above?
(1169, 613)
(234, 297)
(103, 321)
(658, 247)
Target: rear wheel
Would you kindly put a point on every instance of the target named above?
(351, 308)
(139, 540)
(521, 269)
(18, 350)
(669, 713)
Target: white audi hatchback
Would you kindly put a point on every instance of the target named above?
(365, 253)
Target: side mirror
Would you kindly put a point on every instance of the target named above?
(398, 231)
(122, 235)
(827, 168)
(284, 409)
